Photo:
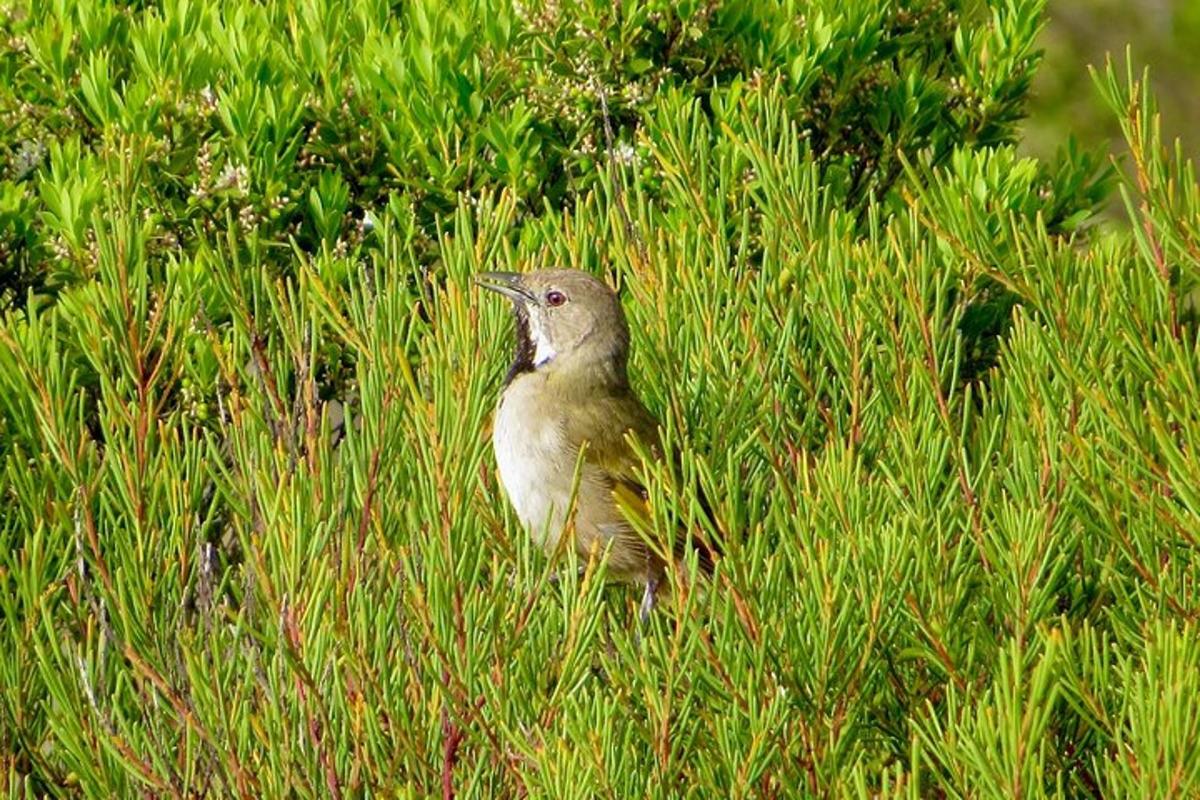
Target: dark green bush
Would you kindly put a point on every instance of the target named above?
(297, 124)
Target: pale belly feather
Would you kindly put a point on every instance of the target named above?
(531, 456)
(537, 468)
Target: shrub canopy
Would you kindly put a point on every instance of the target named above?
(251, 539)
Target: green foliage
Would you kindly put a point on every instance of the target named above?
(234, 114)
(251, 539)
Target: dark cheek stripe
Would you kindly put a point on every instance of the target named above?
(523, 357)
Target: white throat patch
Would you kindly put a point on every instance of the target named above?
(543, 349)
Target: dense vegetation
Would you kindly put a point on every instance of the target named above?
(251, 539)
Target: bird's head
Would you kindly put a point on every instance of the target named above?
(566, 322)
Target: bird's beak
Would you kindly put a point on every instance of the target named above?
(506, 283)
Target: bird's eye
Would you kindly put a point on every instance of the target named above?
(555, 298)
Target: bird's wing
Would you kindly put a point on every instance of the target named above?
(619, 462)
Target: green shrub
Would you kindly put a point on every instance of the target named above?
(251, 540)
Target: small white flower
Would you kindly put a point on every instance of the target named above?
(236, 177)
(624, 153)
(208, 99)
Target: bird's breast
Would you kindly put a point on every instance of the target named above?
(535, 461)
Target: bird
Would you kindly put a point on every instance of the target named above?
(566, 422)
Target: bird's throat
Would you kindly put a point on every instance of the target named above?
(543, 348)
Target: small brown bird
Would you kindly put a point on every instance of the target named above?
(568, 389)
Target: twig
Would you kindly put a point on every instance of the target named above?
(614, 177)
(453, 736)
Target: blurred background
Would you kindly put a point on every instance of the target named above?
(1162, 34)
